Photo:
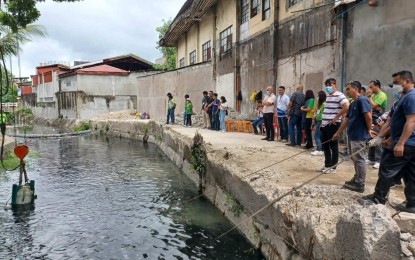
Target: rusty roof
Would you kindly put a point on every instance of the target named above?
(191, 11)
(97, 70)
(58, 65)
(128, 62)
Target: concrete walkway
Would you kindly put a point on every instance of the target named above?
(252, 153)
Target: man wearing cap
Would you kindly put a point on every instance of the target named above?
(171, 106)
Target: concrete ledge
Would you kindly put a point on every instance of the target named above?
(50, 135)
(320, 221)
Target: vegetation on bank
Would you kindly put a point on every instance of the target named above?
(82, 127)
(169, 53)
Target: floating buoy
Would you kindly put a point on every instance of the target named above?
(7, 206)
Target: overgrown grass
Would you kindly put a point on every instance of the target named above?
(83, 127)
(234, 205)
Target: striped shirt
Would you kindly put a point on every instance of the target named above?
(334, 104)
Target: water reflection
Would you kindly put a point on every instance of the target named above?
(104, 198)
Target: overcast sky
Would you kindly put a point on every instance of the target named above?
(91, 30)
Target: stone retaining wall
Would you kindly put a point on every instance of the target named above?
(349, 233)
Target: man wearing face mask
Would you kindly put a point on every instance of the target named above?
(400, 160)
(383, 138)
(337, 106)
(268, 110)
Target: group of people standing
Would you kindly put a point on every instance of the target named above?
(213, 111)
(362, 119)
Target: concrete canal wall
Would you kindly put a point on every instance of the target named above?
(315, 222)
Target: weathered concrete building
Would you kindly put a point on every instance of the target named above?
(89, 92)
(254, 43)
(86, 89)
(41, 96)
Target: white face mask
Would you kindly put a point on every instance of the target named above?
(267, 93)
(397, 91)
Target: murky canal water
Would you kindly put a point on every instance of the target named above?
(104, 198)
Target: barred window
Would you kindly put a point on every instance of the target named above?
(181, 63)
(244, 11)
(255, 5)
(207, 51)
(266, 9)
(192, 57)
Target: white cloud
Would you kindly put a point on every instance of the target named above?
(91, 30)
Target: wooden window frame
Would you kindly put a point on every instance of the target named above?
(255, 7)
(207, 51)
(225, 38)
(192, 57)
(266, 11)
(244, 11)
(181, 63)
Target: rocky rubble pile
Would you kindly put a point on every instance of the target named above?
(119, 115)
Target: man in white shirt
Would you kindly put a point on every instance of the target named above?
(268, 110)
(282, 102)
(337, 106)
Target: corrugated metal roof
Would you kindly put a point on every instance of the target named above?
(191, 11)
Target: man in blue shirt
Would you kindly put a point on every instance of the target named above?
(358, 121)
(400, 160)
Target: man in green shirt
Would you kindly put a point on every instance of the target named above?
(378, 100)
(171, 105)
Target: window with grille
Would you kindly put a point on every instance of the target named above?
(192, 57)
(293, 2)
(244, 11)
(207, 51)
(181, 63)
(255, 4)
(225, 42)
(266, 9)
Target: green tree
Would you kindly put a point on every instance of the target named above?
(10, 41)
(168, 52)
(19, 13)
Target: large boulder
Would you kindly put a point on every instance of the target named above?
(367, 233)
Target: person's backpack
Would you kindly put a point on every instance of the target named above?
(258, 95)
